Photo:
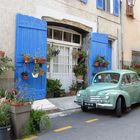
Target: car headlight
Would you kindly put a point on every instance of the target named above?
(78, 94)
(106, 97)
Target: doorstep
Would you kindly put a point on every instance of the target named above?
(57, 106)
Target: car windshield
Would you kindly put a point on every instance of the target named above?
(107, 78)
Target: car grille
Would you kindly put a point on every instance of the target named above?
(95, 98)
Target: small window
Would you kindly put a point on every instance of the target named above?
(57, 35)
(107, 5)
(49, 33)
(76, 38)
(134, 78)
(126, 79)
(67, 36)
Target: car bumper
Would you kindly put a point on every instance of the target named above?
(96, 105)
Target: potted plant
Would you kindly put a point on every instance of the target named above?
(4, 121)
(5, 64)
(26, 59)
(73, 89)
(80, 71)
(2, 53)
(36, 60)
(98, 61)
(25, 75)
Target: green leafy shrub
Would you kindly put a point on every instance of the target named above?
(2, 93)
(5, 64)
(54, 88)
(4, 115)
(39, 121)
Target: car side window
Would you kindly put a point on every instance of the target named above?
(126, 79)
(134, 77)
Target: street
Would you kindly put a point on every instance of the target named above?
(95, 125)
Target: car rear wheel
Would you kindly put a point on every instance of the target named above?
(84, 108)
(119, 107)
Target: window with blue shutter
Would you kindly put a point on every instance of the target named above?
(100, 4)
(116, 7)
(84, 1)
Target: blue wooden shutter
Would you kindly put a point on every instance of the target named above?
(100, 4)
(98, 47)
(116, 6)
(31, 38)
(84, 1)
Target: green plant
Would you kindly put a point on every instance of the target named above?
(2, 93)
(80, 70)
(54, 88)
(52, 52)
(4, 115)
(39, 121)
(73, 87)
(5, 64)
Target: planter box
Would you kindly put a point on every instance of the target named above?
(20, 115)
(5, 133)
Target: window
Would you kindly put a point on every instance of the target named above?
(49, 33)
(126, 79)
(134, 77)
(57, 35)
(67, 36)
(136, 57)
(110, 6)
(76, 38)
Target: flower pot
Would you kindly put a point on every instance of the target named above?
(41, 72)
(79, 77)
(97, 64)
(25, 77)
(26, 59)
(42, 61)
(5, 133)
(20, 116)
(36, 60)
(2, 54)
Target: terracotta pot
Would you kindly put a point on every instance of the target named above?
(97, 64)
(26, 59)
(2, 54)
(42, 61)
(36, 60)
(79, 77)
(25, 77)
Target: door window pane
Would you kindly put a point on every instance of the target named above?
(67, 36)
(57, 35)
(76, 38)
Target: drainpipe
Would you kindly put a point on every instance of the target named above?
(122, 32)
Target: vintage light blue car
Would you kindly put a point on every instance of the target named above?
(115, 90)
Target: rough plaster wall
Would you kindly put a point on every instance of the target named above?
(72, 9)
(131, 33)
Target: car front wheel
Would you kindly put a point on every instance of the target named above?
(84, 108)
(119, 107)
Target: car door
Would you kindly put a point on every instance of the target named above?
(128, 87)
(136, 86)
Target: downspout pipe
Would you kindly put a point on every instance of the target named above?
(122, 32)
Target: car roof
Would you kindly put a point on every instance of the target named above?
(120, 71)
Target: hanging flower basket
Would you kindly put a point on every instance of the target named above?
(26, 59)
(2, 54)
(25, 75)
(41, 72)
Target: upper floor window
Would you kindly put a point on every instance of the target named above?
(110, 6)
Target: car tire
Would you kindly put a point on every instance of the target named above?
(119, 107)
(84, 108)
